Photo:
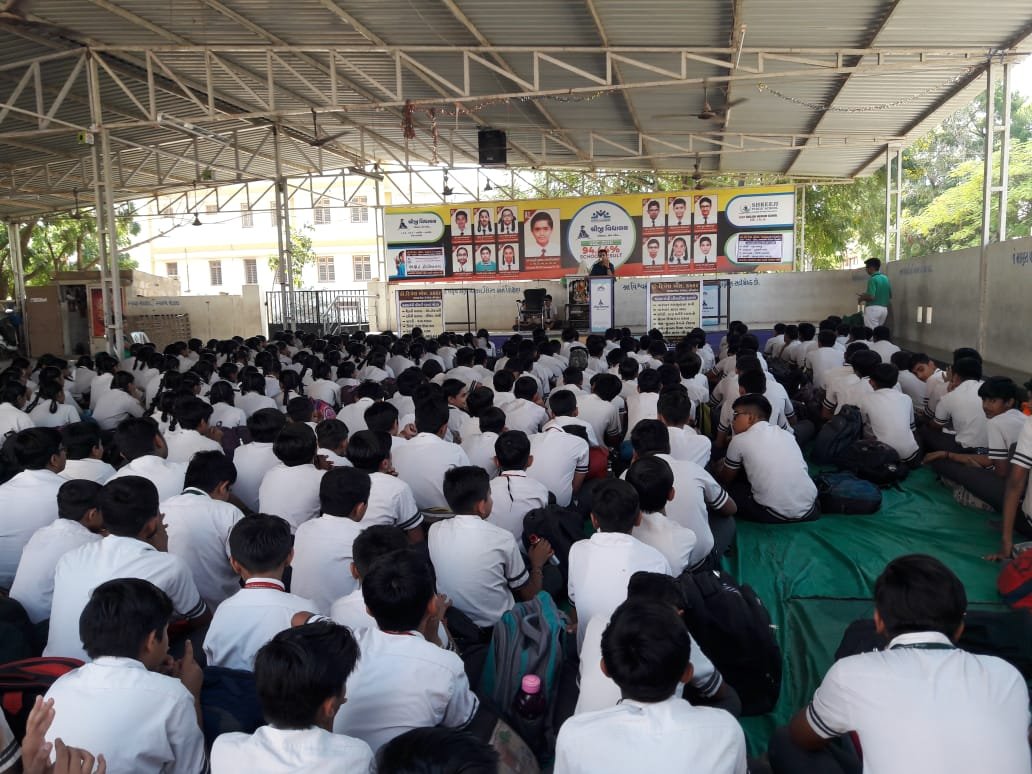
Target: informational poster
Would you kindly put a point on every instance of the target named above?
(674, 306)
(657, 234)
(600, 308)
(422, 308)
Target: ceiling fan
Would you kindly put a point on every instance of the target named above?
(707, 113)
(317, 141)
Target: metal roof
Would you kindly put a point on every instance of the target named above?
(191, 93)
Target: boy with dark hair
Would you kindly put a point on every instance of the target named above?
(526, 411)
(653, 480)
(301, 676)
(405, 679)
(674, 409)
(353, 415)
(961, 408)
(779, 489)
(291, 489)
(132, 704)
(564, 413)
(391, 501)
(253, 460)
(560, 462)
(935, 381)
(513, 492)
(261, 549)
(601, 409)
(199, 522)
(776, 341)
(601, 566)
(888, 414)
(78, 523)
(911, 386)
(371, 544)
(479, 447)
(503, 383)
(192, 434)
(820, 361)
(647, 651)
(423, 460)
(852, 392)
(322, 546)
(140, 444)
(479, 564)
(84, 453)
(919, 604)
(437, 750)
(642, 405)
(332, 438)
(136, 546)
(881, 342)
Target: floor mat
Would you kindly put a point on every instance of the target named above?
(817, 577)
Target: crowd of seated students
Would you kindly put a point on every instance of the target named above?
(321, 514)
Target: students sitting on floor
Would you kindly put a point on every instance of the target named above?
(779, 489)
(478, 564)
(1017, 497)
(823, 359)
(911, 386)
(525, 412)
(674, 409)
(479, 447)
(291, 489)
(513, 492)
(919, 704)
(647, 652)
(961, 409)
(391, 501)
(192, 433)
(936, 383)
(372, 543)
(888, 415)
(84, 453)
(838, 380)
(563, 413)
(422, 460)
(753, 381)
(332, 438)
(642, 404)
(653, 480)
(261, 549)
(405, 679)
(140, 444)
(132, 704)
(301, 676)
(560, 462)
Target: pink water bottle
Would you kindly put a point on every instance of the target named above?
(530, 701)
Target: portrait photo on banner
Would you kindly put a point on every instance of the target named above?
(506, 222)
(541, 233)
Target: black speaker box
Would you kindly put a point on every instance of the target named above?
(491, 146)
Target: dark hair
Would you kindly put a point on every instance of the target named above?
(261, 542)
(918, 593)
(208, 469)
(492, 420)
(646, 650)
(121, 380)
(607, 386)
(331, 433)
(437, 751)
(127, 504)
(961, 352)
(33, 447)
(222, 392)
(873, 263)
(295, 445)
(48, 391)
(757, 405)
(541, 216)
(381, 416)
(252, 382)
(864, 362)
(525, 387)
(77, 496)
(265, 425)
(299, 409)
(374, 542)
(367, 449)
(563, 403)
(134, 437)
(753, 381)
(397, 589)
(512, 450)
(656, 587)
(998, 388)
(967, 369)
(302, 667)
(615, 506)
(650, 436)
(826, 338)
(503, 381)
(431, 415)
(885, 375)
(121, 615)
(674, 406)
(648, 380)
(465, 486)
(190, 411)
(652, 479)
(342, 489)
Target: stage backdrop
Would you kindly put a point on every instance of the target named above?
(690, 232)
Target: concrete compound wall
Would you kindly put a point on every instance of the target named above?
(211, 317)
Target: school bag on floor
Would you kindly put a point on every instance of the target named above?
(844, 492)
(22, 681)
(841, 431)
(874, 461)
(562, 527)
(732, 627)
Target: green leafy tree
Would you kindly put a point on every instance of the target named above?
(301, 253)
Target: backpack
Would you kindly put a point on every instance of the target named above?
(560, 526)
(874, 461)
(732, 627)
(786, 374)
(841, 431)
(229, 702)
(1015, 581)
(22, 681)
(846, 493)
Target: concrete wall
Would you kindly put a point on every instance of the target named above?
(211, 317)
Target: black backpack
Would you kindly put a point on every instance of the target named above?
(731, 626)
(874, 461)
(845, 492)
(560, 526)
(844, 429)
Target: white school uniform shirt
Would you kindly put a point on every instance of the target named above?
(137, 719)
(198, 533)
(563, 422)
(820, 361)
(326, 391)
(391, 503)
(350, 611)
(332, 456)
(1022, 457)
(403, 403)
(41, 416)
(166, 476)
(776, 469)
(889, 417)
(513, 495)
(82, 377)
(480, 449)
(774, 345)
(29, 503)
(422, 462)
(837, 382)
(33, 585)
(403, 682)
(224, 415)
(687, 444)
(251, 402)
(1003, 432)
(477, 564)
(922, 688)
(641, 405)
(100, 384)
(937, 387)
(249, 619)
(87, 468)
(252, 460)
(291, 493)
(271, 750)
(676, 543)
(962, 408)
(558, 457)
(81, 570)
(601, 567)
(914, 389)
(792, 352)
(353, 415)
(183, 444)
(114, 406)
(885, 348)
(598, 691)
(322, 559)
(602, 415)
(501, 399)
(776, 396)
(13, 420)
(665, 736)
(524, 415)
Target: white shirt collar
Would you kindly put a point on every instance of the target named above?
(119, 661)
(920, 638)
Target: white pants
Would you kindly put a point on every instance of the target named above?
(875, 315)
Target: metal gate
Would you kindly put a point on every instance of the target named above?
(322, 312)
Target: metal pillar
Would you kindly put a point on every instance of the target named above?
(18, 272)
(801, 247)
(102, 245)
(893, 195)
(286, 251)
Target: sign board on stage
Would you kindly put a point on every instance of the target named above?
(674, 306)
(422, 308)
(600, 309)
(646, 234)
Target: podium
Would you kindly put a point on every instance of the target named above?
(600, 303)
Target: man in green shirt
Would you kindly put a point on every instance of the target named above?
(877, 295)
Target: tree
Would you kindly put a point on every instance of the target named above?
(301, 253)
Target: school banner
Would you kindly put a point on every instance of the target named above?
(657, 234)
(600, 308)
(674, 306)
(421, 308)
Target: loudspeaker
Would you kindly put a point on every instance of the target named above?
(491, 146)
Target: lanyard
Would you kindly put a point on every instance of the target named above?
(257, 584)
(925, 646)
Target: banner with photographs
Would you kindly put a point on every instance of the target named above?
(661, 234)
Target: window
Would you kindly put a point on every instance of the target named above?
(359, 210)
(363, 268)
(322, 211)
(250, 271)
(327, 270)
(172, 269)
(246, 217)
(215, 270)
(272, 218)
(211, 209)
